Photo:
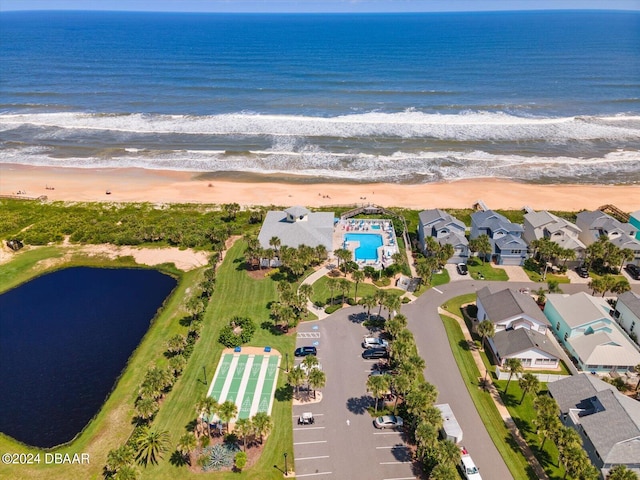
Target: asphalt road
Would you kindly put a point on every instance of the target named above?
(343, 443)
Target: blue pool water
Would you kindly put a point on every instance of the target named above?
(369, 243)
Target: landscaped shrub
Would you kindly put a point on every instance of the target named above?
(237, 332)
(405, 300)
(219, 456)
(332, 308)
(241, 460)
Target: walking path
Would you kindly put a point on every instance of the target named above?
(502, 409)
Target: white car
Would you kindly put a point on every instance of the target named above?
(388, 421)
(373, 342)
(469, 469)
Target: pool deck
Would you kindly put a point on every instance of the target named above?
(366, 226)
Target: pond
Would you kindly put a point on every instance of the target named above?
(65, 337)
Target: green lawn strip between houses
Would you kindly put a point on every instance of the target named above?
(510, 452)
(235, 294)
(112, 424)
(477, 268)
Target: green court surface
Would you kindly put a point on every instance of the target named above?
(248, 380)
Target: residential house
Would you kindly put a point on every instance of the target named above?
(627, 313)
(596, 224)
(297, 226)
(508, 247)
(585, 327)
(509, 310)
(607, 421)
(533, 349)
(538, 225)
(634, 220)
(445, 229)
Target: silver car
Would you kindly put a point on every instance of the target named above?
(388, 421)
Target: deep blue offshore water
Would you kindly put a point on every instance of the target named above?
(64, 339)
(537, 96)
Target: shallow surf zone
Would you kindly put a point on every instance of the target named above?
(406, 147)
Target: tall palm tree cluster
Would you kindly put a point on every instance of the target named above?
(603, 256)
(437, 256)
(295, 260)
(390, 301)
(567, 440)
(609, 283)
(291, 305)
(423, 419)
(544, 250)
(147, 445)
(310, 372)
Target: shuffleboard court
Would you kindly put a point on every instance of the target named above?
(246, 379)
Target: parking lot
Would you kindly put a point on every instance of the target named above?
(342, 442)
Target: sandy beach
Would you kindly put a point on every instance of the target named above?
(156, 186)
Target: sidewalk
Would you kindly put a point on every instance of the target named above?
(504, 413)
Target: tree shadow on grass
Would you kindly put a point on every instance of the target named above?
(284, 393)
(509, 399)
(191, 426)
(177, 459)
(358, 405)
(464, 344)
(513, 445)
(271, 328)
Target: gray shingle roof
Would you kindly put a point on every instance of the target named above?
(512, 242)
(612, 426)
(508, 303)
(632, 301)
(512, 342)
(316, 230)
(494, 221)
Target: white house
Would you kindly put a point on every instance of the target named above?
(627, 313)
(509, 310)
(538, 225)
(297, 226)
(533, 349)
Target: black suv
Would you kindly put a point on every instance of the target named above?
(583, 271)
(304, 351)
(634, 271)
(373, 353)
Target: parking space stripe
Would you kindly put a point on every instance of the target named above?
(315, 415)
(401, 478)
(386, 433)
(313, 474)
(309, 443)
(311, 458)
(394, 463)
(392, 447)
(309, 428)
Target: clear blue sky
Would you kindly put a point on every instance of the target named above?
(317, 5)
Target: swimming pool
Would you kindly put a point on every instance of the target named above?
(369, 243)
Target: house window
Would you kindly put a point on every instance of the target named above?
(566, 335)
(558, 326)
(633, 324)
(607, 367)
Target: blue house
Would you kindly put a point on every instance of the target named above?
(586, 328)
(445, 229)
(508, 247)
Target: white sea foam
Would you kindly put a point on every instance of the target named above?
(466, 126)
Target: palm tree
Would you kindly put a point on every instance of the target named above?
(358, 276)
(378, 385)
(151, 445)
(316, 378)
(514, 365)
(396, 325)
(274, 242)
(486, 329)
(637, 370)
(207, 407)
(529, 383)
(310, 362)
(565, 438)
(621, 286)
(380, 297)
(187, 445)
(420, 400)
(320, 252)
(243, 427)
(482, 245)
(262, 424)
(332, 284)
(146, 408)
(443, 471)
(177, 364)
(344, 255)
(602, 284)
(626, 255)
(401, 384)
(621, 472)
(546, 421)
(306, 290)
(575, 460)
(119, 458)
(296, 376)
(392, 303)
(426, 435)
(448, 453)
(368, 302)
(344, 285)
(227, 411)
(176, 344)
(445, 252)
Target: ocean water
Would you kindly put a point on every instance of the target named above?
(547, 97)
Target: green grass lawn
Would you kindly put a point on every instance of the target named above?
(477, 268)
(440, 278)
(537, 277)
(235, 294)
(321, 292)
